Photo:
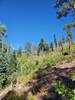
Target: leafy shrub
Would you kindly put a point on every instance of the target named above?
(12, 95)
(73, 76)
(49, 62)
(37, 62)
(65, 52)
(31, 97)
(3, 81)
(12, 67)
(68, 58)
(64, 91)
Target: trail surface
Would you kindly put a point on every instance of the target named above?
(41, 85)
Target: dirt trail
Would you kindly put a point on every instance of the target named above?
(66, 65)
(5, 91)
(45, 79)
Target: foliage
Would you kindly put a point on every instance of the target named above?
(63, 39)
(68, 28)
(51, 46)
(73, 76)
(13, 96)
(63, 90)
(12, 64)
(3, 69)
(43, 46)
(19, 67)
(19, 52)
(65, 7)
(3, 29)
(55, 41)
(31, 97)
(28, 48)
(8, 65)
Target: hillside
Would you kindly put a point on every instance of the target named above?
(42, 85)
(37, 59)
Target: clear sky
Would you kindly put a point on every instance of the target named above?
(30, 20)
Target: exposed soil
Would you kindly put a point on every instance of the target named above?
(42, 84)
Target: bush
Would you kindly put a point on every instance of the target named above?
(49, 62)
(31, 97)
(73, 76)
(65, 53)
(64, 91)
(3, 81)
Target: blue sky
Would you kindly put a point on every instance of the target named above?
(30, 20)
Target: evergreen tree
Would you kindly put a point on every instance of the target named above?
(46, 47)
(51, 46)
(3, 30)
(68, 28)
(60, 43)
(4, 63)
(55, 41)
(63, 40)
(12, 63)
(19, 52)
(43, 46)
(64, 7)
(28, 48)
(3, 33)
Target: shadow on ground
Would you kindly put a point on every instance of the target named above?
(42, 84)
(48, 77)
(12, 95)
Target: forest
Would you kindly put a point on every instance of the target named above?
(43, 72)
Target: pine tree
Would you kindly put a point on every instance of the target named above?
(28, 48)
(68, 28)
(4, 63)
(64, 7)
(43, 46)
(3, 34)
(51, 46)
(55, 41)
(62, 43)
(12, 63)
(63, 39)
(19, 52)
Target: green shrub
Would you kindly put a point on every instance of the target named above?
(65, 52)
(12, 95)
(3, 82)
(31, 97)
(64, 91)
(73, 76)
